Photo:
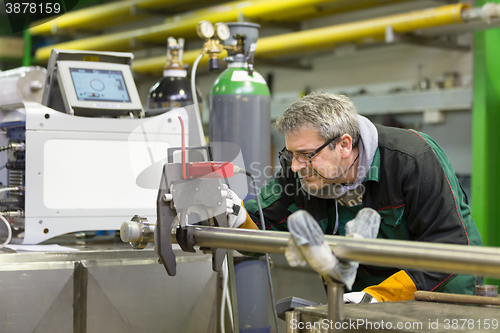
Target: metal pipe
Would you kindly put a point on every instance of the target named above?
(155, 65)
(328, 37)
(269, 47)
(322, 38)
(291, 319)
(102, 16)
(455, 298)
(436, 257)
(120, 12)
(335, 306)
(179, 25)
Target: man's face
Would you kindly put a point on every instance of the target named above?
(327, 162)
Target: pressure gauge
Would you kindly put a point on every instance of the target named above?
(205, 29)
(222, 31)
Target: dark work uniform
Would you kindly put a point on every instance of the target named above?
(411, 184)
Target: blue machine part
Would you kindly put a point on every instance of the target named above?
(15, 165)
(16, 130)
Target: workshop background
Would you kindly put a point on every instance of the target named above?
(436, 76)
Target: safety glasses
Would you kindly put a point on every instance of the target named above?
(287, 156)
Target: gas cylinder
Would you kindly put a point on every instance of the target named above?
(240, 105)
(174, 89)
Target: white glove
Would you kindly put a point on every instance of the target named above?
(307, 244)
(294, 255)
(359, 297)
(319, 257)
(236, 213)
(365, 225)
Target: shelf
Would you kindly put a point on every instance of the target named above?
(414, 102)
(453, 99)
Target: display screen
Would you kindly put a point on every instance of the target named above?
(99, 85)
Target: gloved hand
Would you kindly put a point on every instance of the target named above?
(294, 255)
(307, 244)
(365, 225)
(236, 213)
(359, 297)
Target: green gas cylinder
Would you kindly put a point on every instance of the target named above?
(240, 108)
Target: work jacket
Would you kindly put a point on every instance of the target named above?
(413, 187)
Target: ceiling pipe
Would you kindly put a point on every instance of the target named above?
(324, 38)
(185, 24)
(327, 38)
(102, 16)
(182, 25)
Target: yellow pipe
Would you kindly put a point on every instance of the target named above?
(337, 7)
(101, 16)
(119, 12)
(325, 38)
(181, 25)
(155, 65)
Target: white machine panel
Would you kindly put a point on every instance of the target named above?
(82, 171)
(93, 173)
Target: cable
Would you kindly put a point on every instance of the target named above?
(223, 301)
(229, 304)
(183, 151)
(268, 266)
(9, 230)
(225, 270)
(195, 100)
(8, 189)
(225, 297)
(193, 85)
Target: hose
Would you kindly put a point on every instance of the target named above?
(228, 300)
(183, 152)
(223, 301)
(197, 109)
(8, 189)
(268, 266)
(193, 85)
(9, 230)
(225, 297)
(225, 270)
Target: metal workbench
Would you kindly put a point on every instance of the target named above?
(106, 286)
(405, 316)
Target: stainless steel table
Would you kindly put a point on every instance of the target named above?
(406, 316)
(105, 287)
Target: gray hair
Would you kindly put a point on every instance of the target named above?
(328, 114)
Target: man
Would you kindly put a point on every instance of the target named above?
(336, 162)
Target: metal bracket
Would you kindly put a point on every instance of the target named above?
(203, 194)
(185, 239)
(165, 217)
(80, 283)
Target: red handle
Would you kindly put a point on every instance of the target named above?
(211, 170)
